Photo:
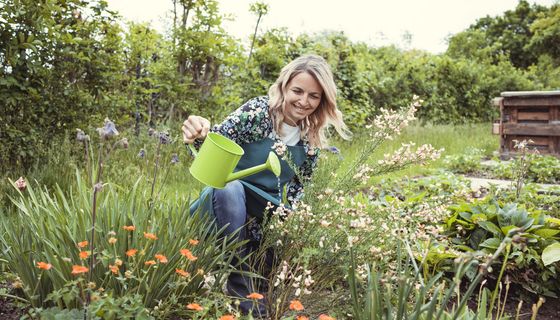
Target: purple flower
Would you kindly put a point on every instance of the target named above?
(174, 159)
(108, 131)
(333, 149)
(142, 153)
(164, 138)
(81, 136)
(336, 151)
(151, 132)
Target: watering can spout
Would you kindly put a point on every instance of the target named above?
(272, 163)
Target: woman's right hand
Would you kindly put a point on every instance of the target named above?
(195, 127)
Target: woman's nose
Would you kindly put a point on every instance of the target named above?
(304, 101)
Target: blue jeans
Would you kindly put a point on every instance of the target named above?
(231, 213)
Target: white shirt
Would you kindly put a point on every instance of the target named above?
(290, 135)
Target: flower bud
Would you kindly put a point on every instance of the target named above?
(21, 184)
(108, 130)
(81, 136)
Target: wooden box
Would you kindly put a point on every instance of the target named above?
(529, 115)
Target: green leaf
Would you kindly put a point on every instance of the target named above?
(547, 233)
(551, 254)
(489, 226)
(491, 243)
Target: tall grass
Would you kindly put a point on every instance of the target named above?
(455, 139)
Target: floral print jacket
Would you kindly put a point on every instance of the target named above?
(252, 122)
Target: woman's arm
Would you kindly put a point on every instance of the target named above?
(248, 123)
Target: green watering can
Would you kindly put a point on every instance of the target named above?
(218, 156)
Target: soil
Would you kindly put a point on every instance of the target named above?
(549, 310)
(9, 310)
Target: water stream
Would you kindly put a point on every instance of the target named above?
(279, 191)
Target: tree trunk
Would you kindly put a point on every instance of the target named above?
(254, 37)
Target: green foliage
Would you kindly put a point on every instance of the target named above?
(546, 34)
(506, 35)
(66, 62)
(483, 225)
(51, 225)
(468, 162)
(374, 298)
(54, 56)
(540, 168)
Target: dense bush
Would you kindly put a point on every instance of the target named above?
(65, 63)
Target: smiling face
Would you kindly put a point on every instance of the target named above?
(303, 96)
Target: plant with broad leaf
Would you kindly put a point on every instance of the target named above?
(482, 225)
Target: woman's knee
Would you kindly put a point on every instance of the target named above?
(232, 194)
(229, 205)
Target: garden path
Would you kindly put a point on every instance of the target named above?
(478, 183)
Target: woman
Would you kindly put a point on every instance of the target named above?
(293, 117)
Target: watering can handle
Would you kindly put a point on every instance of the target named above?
(193, 149)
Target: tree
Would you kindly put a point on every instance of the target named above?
(260, 9)
(546, 35)
(505, 35)
(60, 63)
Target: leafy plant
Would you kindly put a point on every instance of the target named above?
(468, 162)
(374, 297)
(483, 225)
(153, 252)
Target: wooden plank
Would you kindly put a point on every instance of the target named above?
(537, 141)
(532, 102)
(554, 113)
(542, 116)
(530, 93)
(531, 129)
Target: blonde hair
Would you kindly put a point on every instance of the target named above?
(327, 113)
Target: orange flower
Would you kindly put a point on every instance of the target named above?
(227, 317)
(195, 307)
(161, 258)
(84, 254)
(150, 262)
(131, 252)
(79, 269)
(44, 265)
(112, 240)
(296, 305)
(255, 296)
(129, 228)
(193, 242)
(182, 273)
(114, 269)
(302, 318)
(188, 254)
(83, 244)
(326, 317)
(150, 236)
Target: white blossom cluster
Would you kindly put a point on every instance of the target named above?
(280, 148)
(390, 123)
(406, 155)
(300, 278)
